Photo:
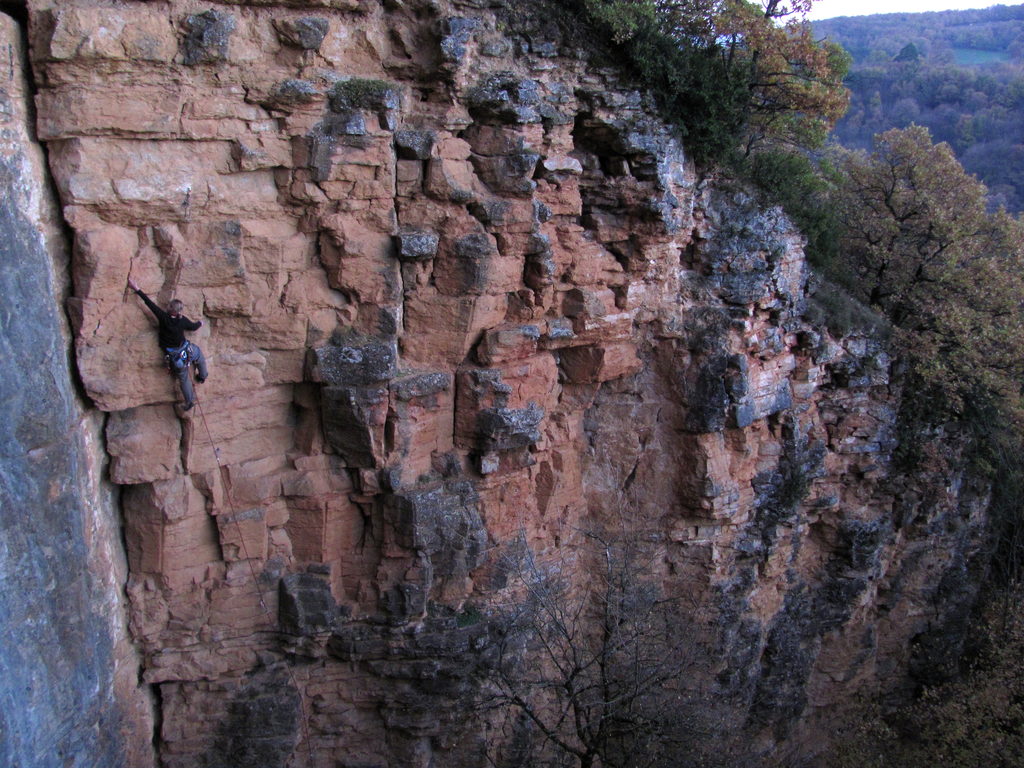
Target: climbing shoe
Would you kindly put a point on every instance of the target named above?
(200, 380)
(189, 407)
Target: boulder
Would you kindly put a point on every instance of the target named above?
(354, 419)
(443, 523)
(416, 244)
(414, 145)
(358, 363)
(456, 32)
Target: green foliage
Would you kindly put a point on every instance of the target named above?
(468, 617)
(696, 89)
(975, 721)
(908, 52)
(912, 217)
(918, 246)
(1001, 459)
(728, 73)
(794, 488)
(802, 187)
(835, 308)
(917, 239)
(624, 19)
(958, 73)
(913, 241)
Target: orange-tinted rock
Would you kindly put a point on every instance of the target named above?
(124, 34)
(144, 445)
(574, 335)
(422, 407)
(237, 428)
(103, 261)
(443, 329)
(168, 527)
(508, 343)
(596, 364)
(243, 534)
(361, 262)
(150, 181)
(467, 265)
(321, 526)
(451, 180)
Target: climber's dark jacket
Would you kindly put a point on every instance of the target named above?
(172, 329)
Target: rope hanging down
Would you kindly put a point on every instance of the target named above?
(252, 570)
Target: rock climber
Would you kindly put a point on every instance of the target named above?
(179, 353)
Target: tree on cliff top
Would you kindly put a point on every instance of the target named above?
(921, 247)
(732, 73)
(796, 88)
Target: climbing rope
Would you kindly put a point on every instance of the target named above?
(252, 570)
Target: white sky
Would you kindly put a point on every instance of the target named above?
(826, 9)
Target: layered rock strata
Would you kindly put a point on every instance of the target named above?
(460, 287)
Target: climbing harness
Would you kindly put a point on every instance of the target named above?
(222, 471)
(178, 358)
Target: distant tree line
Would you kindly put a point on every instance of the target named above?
(958, 73)
(879, 38)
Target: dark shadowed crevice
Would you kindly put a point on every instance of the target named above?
(17, 10)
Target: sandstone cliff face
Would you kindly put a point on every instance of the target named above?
(458, 286)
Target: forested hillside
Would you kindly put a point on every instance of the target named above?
(959, 73)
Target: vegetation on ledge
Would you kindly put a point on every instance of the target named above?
(732, 75)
